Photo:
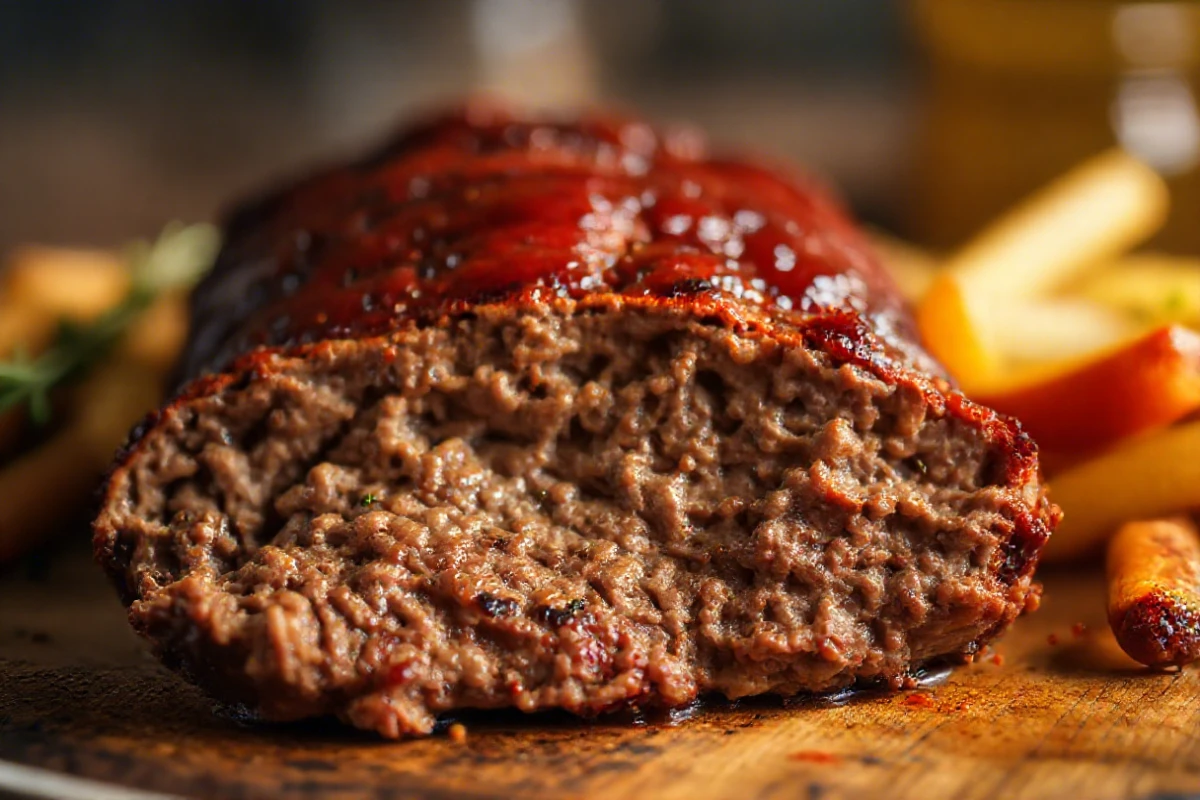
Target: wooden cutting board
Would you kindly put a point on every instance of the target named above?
(1063, 714)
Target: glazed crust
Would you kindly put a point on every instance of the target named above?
(481, 206)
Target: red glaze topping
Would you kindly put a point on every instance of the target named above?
(481, 205)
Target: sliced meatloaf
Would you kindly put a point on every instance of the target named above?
(535, 414)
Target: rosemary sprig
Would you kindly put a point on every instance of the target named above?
(175, 260)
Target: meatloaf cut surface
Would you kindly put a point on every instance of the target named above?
(532, 414)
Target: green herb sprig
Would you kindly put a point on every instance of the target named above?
(175, 260)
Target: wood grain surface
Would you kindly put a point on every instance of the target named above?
(1063, 714)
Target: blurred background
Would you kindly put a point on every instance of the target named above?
(930, 115)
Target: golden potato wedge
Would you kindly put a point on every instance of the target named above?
(1056, 333)
(156, 338)
(45, 488)
(65, 282)
(949, 327)
(24, 328)
(1150, 476)
(1097, 211)
(41, 286)
(972, 312)
(42, 489)
(1153, 287)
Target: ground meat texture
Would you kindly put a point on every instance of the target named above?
(559, 415)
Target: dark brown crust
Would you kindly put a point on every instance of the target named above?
(1159, 629)
(1154, 591)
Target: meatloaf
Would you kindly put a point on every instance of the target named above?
(542, 414)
